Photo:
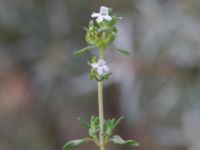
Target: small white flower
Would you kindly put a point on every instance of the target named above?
(106, 69)
(103, 70)
(100, 71)
(103, 14)
(101, 67)
(101, 62)
(94, 65)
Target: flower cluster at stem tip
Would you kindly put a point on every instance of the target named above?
(103, 31)
(100, 34)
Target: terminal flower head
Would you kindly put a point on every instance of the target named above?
(103, 14)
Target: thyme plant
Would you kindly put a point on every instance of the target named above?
(100, 34)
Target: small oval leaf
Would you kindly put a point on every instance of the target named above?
(118, 140)
(74, 143)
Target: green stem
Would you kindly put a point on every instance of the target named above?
(101, 111)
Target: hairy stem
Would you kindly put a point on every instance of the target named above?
(101, 111)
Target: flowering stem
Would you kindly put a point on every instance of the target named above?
(101, 111)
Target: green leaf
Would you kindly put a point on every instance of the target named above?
(83, 50)
(118, 140)
(94, 126)
(120, 50)
(111, 125)
(117, 122)
(84, 123)
(74, 143)
(91, 77)
(94, 59)
(91, 23)
(113, 121)
(108, 128)
(95, 122)
(90, 38)
(92, 119)
(111, 37)
(93, 131)
(103, 29)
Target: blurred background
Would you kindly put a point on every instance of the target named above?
(44, 88)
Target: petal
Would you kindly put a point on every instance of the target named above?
(95, 15)
(106, 69)
(101, 62)
(94, 65)
(104, 10)
(99, 19)
(108, 18)
(100, 71)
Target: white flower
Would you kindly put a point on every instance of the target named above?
(103, 70)
(101, 67)
(101, 62)
(94, 65)
(103, 14)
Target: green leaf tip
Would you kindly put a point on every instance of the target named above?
(118, 140)
(120, 50)
(118, 122)
(74, 143)
(79, 52)
(84, 123)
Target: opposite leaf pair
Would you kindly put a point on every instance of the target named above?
(93, 130)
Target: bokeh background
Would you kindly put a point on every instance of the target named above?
(44, 88)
